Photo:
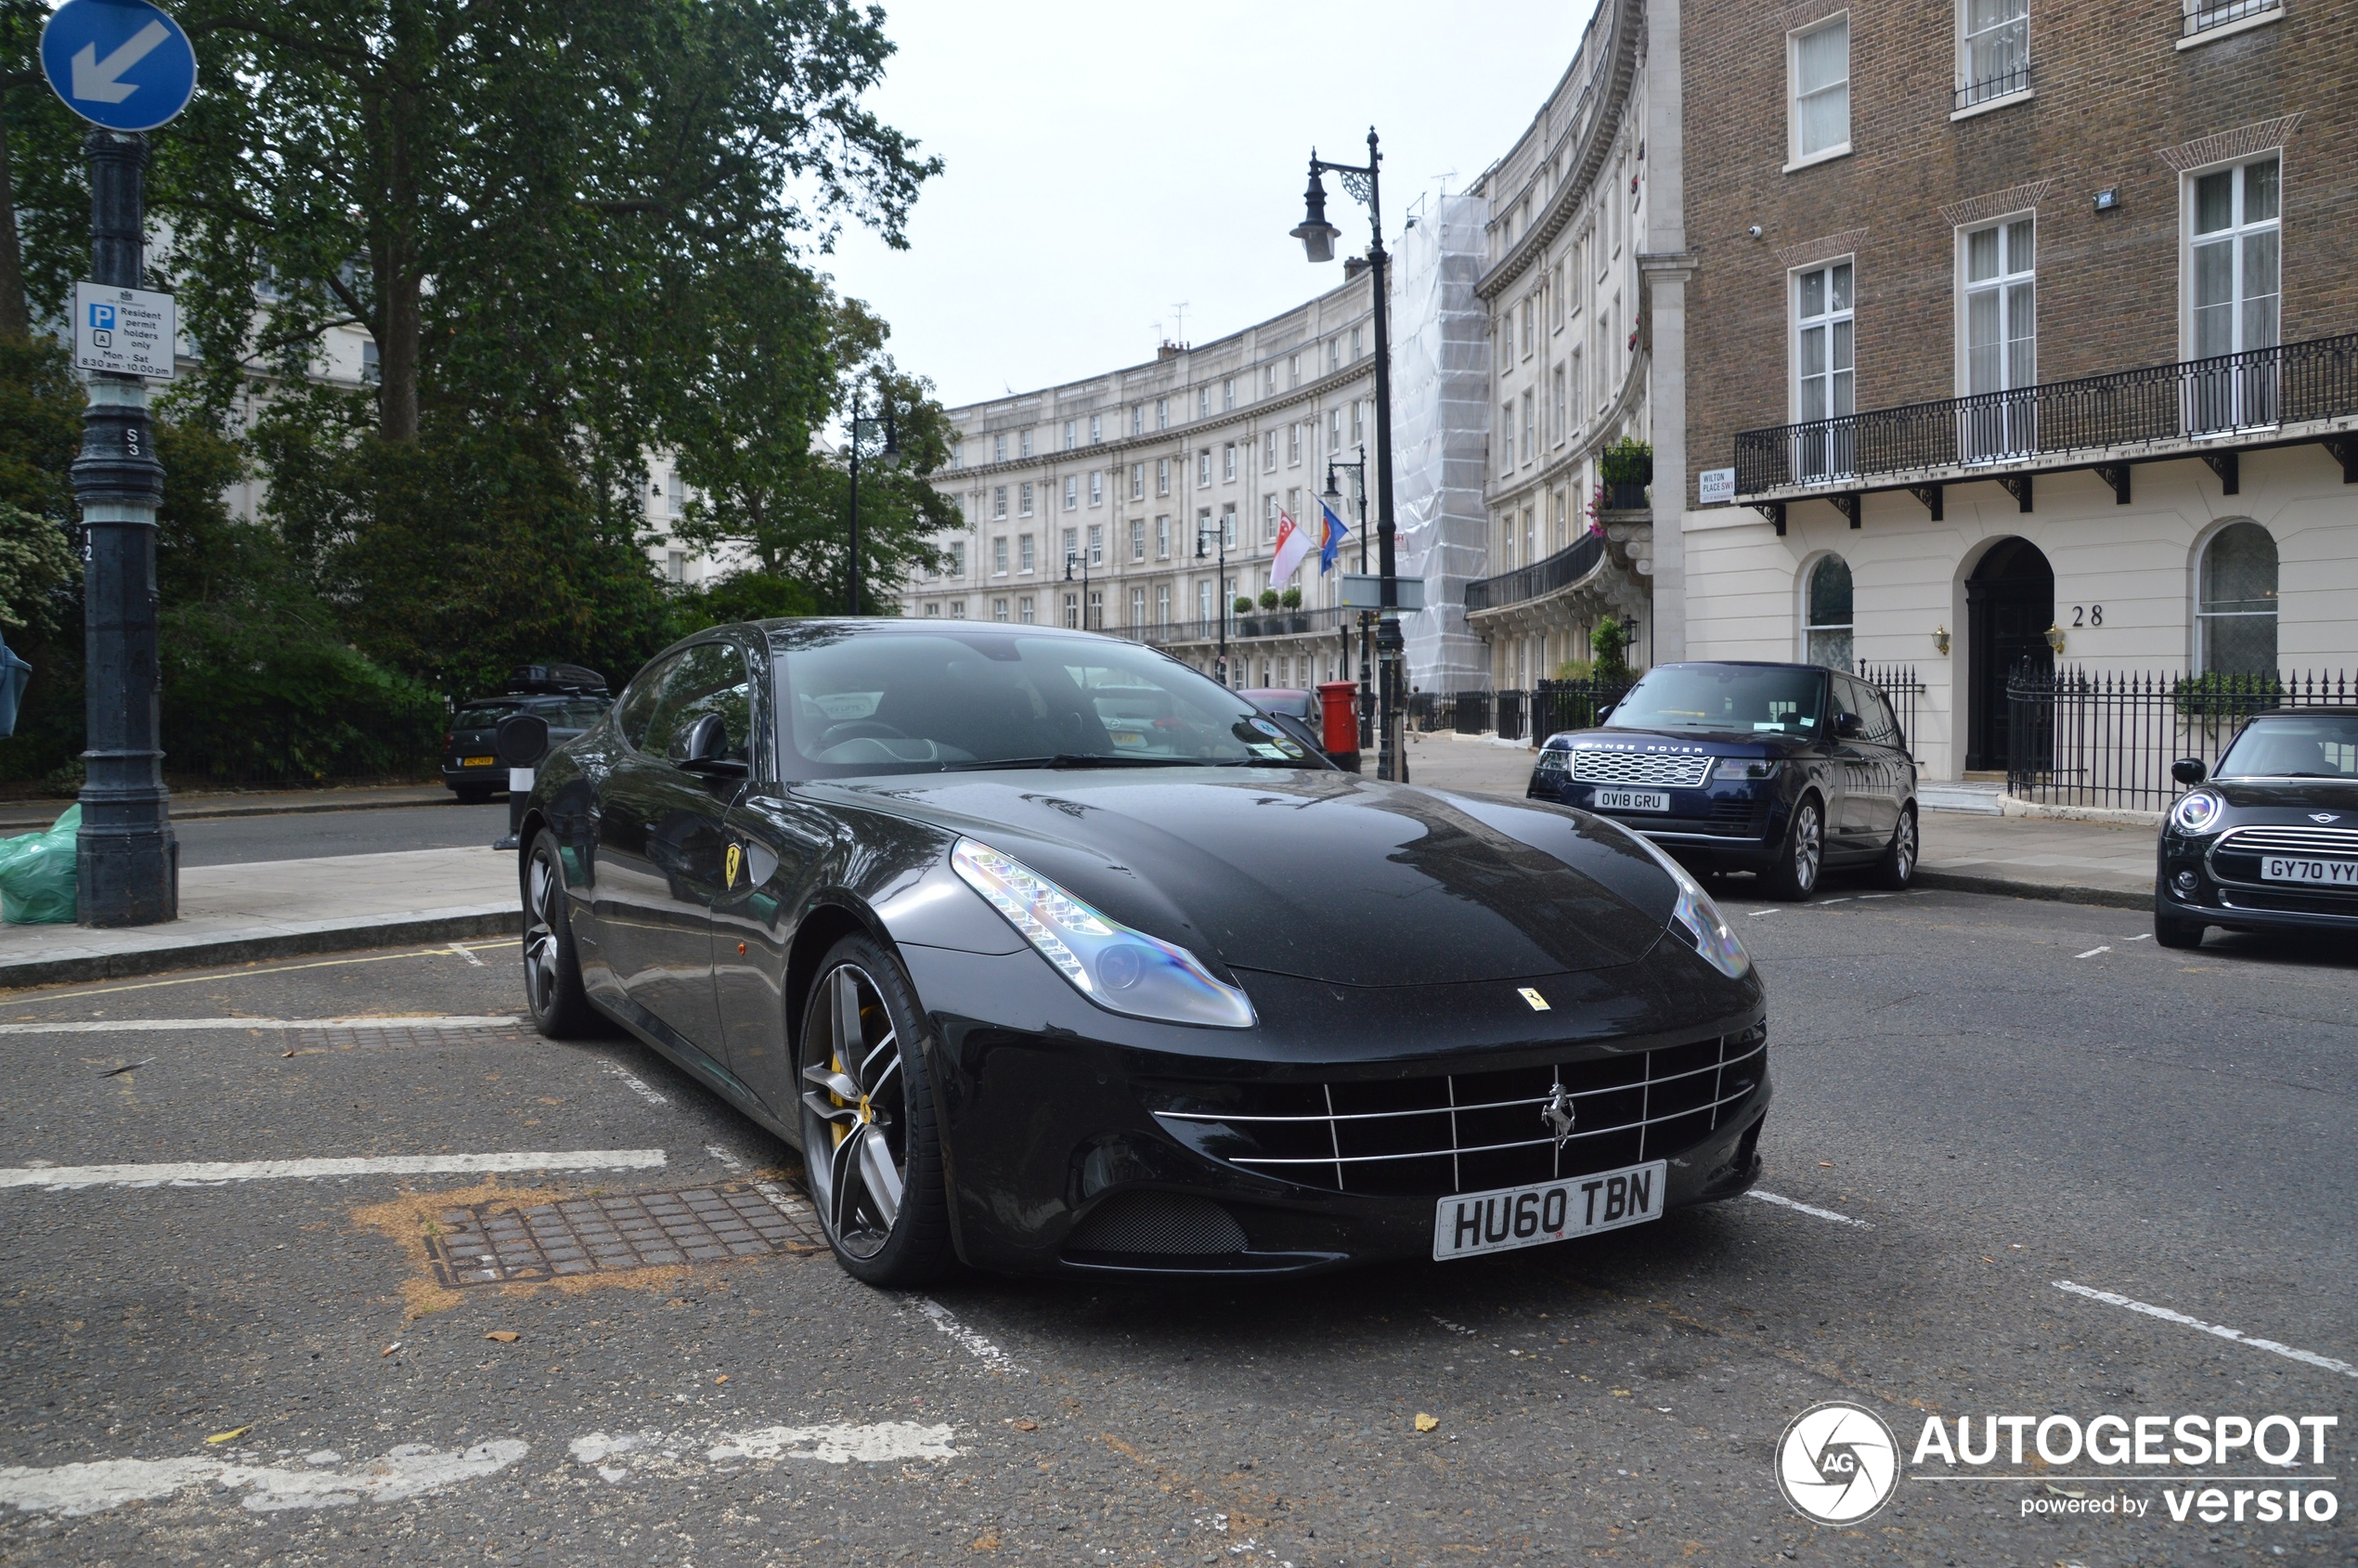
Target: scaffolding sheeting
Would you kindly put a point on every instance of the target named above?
(1440, 397)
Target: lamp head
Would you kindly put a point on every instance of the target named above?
(1333, 492)
(1317, 235)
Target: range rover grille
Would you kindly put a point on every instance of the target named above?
(1658, 769)
(1436, 1136)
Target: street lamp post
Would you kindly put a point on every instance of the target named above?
(1083, 557)
(890, 451)
(1317, 236)
(1367, 617)
(1219, 530)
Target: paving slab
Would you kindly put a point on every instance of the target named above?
(271, 909)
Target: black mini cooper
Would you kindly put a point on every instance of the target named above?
(2270, 840)
(1778, 769)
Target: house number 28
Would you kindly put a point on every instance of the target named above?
(2087, 614)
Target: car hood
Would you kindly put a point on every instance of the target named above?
(1322, 876)
(2292, 794)
(1690, 742)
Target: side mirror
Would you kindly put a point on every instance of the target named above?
(704, 749)
(2189, 770)
(1847, 726)
(1606, 712)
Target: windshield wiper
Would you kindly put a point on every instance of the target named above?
(1071, 759)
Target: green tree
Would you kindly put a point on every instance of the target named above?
(44, 199)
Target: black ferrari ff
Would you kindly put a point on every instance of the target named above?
(2268, 841)
(1051, 955)
(1778, 769)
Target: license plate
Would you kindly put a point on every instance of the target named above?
(2299, 868)
(1533, 1216)
(1632, 800)
(476, 761)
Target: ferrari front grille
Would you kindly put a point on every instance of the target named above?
(1661, 770)
(1470, 1132)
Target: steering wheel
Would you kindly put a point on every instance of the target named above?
(853, 729)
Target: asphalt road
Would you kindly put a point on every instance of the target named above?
(301, 835)
(1978, 1097)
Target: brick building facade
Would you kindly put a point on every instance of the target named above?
(1919, 231)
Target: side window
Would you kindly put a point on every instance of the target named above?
(709, 678)
(1848, 698)
(637, 709)
(1888, 731)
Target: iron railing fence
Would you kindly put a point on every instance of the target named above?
(2256, 391)
(1900, 688)
(2107, 739)
(1508, 713)
(2204, 15)
(1558, 705)
(1562, 569)
(1470, 712)
(1241, 627)
(1998, 85)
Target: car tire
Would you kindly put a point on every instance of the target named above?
(561, 1009)
(1898, 867)
(1801, 857)
(870, 1149)
(2170, 931)
(472, 794)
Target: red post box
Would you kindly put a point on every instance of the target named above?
(1338, 716)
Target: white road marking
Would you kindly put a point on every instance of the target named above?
(2142, 936)
(881, 1442)
(1864, 897)
(465, 954)
(409, 1471)
(2091, 952)
(2308, 1357)
(1784, 1203)
(58, 1178)
(1754, 914)
(638, 1087)
(973, 1344)
(1824, 902)
(143, 1025)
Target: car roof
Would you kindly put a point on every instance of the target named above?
(1743, 663)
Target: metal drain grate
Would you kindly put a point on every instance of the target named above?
(407, 1037)
(713, 1223)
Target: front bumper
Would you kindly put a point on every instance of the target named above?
(2241, 903)
(1734, 824)
(1057, 1161)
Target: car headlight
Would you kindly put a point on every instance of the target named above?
(2198, 812)
(1744, 768)
(1120, 969)
(1698, 920)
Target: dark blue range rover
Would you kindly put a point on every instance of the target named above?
(1778, 769)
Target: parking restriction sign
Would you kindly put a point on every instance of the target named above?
(126, 331)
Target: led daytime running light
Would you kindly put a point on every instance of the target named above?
(1118, 968)
(2197, 813)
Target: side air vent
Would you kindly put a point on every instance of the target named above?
(1168, 1224)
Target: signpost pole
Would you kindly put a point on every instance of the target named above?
(126, 858)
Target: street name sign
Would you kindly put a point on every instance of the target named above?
(123, 331)
(1715, 487)
(122, 64)
(1364, 591)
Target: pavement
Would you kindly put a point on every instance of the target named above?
(268, 876)
(266, 1334)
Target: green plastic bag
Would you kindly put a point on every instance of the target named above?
(37, 873)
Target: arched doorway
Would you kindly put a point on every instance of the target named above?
(2010, 603)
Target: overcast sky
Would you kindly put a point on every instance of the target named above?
(1105, 162)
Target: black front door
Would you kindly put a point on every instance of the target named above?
(2010, 603)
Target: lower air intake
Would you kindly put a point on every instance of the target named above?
(1167, 1223)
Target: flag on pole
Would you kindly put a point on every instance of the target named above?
(1293, 548)
(1332, 533)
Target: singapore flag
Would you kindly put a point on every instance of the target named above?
(1293, 548)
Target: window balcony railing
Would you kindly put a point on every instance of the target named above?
(1561, 570)
(1242, 626)
(1998, 85)
(2204, 15)
(2095, 422)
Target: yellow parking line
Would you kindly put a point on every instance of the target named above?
(278, 969)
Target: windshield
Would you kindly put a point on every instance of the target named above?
(1746, 699)
(2321, 746)
(904, 702)
(481, 718)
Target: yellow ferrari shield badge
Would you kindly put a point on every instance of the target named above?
(736, 858)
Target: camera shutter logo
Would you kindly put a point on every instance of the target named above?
(1838, 1463)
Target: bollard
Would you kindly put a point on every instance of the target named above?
(1338, 708)
(521, 741)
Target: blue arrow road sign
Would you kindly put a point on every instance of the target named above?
(119, 63)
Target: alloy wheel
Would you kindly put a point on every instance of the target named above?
(541, 953)
(1806, 847)
(1904, 851)
(855, 1125)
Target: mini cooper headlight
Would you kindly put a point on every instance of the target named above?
(1698, 920)
(2198, 812)
(1120, 969)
